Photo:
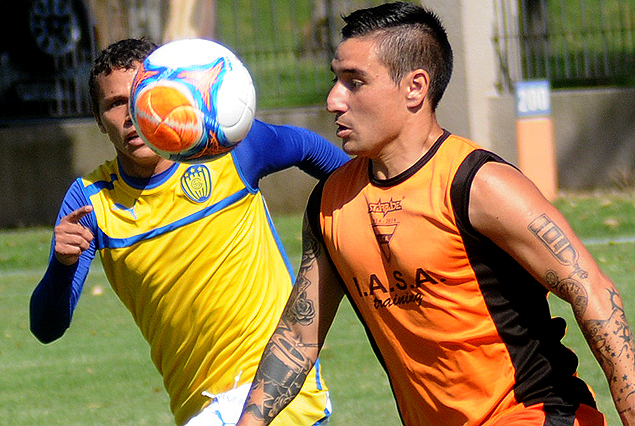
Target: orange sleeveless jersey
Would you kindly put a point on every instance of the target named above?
(462, 330)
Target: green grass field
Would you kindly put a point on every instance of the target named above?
(99, 373)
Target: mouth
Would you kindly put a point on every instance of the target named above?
(133, 138)
(342, 130)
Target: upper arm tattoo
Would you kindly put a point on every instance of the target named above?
(557, 243)
(559, 246)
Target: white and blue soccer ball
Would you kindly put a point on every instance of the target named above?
(192, 100)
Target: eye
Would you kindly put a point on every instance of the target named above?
(349, 80)
(355, 83)
(116, 103)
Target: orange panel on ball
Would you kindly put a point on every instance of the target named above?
(167, 120)
(165, 138)
(187, 122)
(163, 99)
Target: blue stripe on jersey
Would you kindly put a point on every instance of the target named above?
(147, 183)
(104, 241)
(278, 241)
(100, 185)
(318, 374)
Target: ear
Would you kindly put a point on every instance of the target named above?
(418, 84)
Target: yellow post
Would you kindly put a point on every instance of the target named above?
(535, 136)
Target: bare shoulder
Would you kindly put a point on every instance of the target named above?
(501, 192)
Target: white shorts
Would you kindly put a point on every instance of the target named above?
(224, 408)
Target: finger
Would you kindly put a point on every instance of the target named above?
(69, 242)
(72, 246)
(77, 215)
(73, 235)
(68, 250)
(81, 240)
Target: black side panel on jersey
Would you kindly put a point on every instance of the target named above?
(544, 368)
(313, 210)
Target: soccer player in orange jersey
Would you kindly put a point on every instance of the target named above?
(446, 251)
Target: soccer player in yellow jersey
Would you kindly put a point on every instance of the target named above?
(189, 249)
(446, 251)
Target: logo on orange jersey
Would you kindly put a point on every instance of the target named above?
(396, 288)
(384, 228)
(384, 207)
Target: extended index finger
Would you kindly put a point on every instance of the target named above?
(77, 215)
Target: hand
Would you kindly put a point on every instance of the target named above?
(72, 238)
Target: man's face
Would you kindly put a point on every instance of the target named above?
(113, 119)
(367, 103)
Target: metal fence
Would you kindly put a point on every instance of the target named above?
(46, 49)
(571, 43)
(286, 44)
(45, 54)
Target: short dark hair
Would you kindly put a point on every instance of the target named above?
(124, 54)
(408, 37)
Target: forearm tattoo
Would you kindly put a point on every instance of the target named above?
(282, 371)
(285, 364)
(300, 309)
(570, 289)
(610, 339)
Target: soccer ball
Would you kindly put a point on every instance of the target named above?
(192, 100)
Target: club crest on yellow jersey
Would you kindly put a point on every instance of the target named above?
(196, 183)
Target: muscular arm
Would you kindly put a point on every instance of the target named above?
(295, 344)
(507, 208)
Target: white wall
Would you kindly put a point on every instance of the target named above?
(464, 109)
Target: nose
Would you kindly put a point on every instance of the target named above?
(128, 121)
(335, 99)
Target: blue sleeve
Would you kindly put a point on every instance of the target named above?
(270, 148)
(54, 299)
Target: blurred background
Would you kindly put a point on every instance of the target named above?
(584, 49)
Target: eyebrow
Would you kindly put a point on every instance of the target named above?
(351, 70)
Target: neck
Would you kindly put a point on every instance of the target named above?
(144, 169)
(404, 152)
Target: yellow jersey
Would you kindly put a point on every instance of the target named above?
(193, 254)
